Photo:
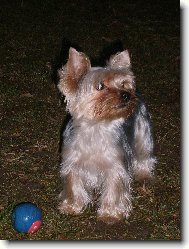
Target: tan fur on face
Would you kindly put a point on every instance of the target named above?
(109, 105)
(120, 80)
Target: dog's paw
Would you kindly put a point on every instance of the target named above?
(108, 219)
(67, 208)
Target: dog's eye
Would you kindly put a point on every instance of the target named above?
(100, 86)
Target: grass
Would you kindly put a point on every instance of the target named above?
(32, 35)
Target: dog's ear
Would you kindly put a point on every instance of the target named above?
(120, 60)
(77, 65)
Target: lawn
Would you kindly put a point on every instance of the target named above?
(35, 36)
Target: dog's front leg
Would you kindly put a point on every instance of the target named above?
(74, 197)
(115, 201)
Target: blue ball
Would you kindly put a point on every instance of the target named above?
(26, 218)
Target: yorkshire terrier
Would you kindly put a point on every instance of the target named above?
(108, 140)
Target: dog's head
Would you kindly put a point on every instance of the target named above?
(97, 93)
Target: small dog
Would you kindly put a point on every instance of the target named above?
(108, 141)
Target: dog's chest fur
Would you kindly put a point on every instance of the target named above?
(95, 143)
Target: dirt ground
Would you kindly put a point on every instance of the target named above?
(36, 34)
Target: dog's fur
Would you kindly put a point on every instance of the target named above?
(108, 139)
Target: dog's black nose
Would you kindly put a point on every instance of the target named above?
(125, 96)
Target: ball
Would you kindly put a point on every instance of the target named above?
(26, 218)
